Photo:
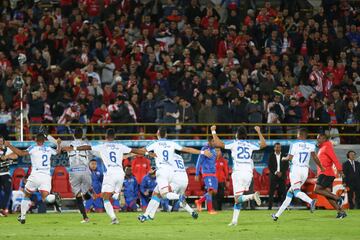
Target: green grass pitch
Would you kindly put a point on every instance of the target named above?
(295, 224)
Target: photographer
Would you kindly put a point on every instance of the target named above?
(5, 179)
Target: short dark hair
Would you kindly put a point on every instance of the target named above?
(78, 133)
(210, 138)
(348, 153)
(241, 133)
(277, 143)
(303, 132)
(40, 137)
(110, 133)
(324, 136)
(162, 132)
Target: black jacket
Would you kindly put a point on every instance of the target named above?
(352, 179)
(284, 165)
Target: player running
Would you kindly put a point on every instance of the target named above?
(165, 150)
(178, 185)
(299, 154)
(40, 178)
(208, 171)
(80, 175)
(241, 152)
(111, 154)
(326, 176)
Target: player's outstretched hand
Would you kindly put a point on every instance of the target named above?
(213, 128)
(207, 153)
(196, 178)
(58, 141)
(323, 169)
(257, 129)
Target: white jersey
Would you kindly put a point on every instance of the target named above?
(164, 150)
(301, 152)
(4, 152)
(112, 155)
(40, 159)
(178, 164)
(241, 152)
(78, 158)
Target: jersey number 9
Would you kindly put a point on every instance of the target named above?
(166, 155)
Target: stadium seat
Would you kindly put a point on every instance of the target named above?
(194, 188)
(60, 182)
(18, 175)
(140, 167)
(257, 181)
(265, 182)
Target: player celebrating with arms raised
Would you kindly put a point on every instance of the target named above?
(208, 171)
(111, 154)
(40, 178)
(241, 152)
(299, 154)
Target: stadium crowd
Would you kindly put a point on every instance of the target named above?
(185, 61)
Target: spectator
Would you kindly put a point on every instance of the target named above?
(292, 115)
(254, 109)
(130, 189)
(147, 187)
(351, 169)
(207, 113)
(222, 174)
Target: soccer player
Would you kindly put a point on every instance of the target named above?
(208, 171)
(165, 150)
(80, 175)
(299, 154)
(147, 187)
(111, 154)
(131, 191)
(40, 178)
(241, 152)
(326, 176)
(5, 178)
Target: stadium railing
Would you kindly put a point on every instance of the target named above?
(198, 130)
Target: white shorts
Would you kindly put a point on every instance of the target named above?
(163, 179)
(179, 182)
(113, 182)
(38, 182)
(241, 181)
(298, 176)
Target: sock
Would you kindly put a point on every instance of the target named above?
(154, 206)
(25, 205)
(87, 195)
(109, 209)
(172, 196)
(203, 198)
(80, 204)
(237, 207)
(303, 197)
(245, 198)
(50, 198)
(285, 204)
(154, 201)
(209, 202)
(186, 207)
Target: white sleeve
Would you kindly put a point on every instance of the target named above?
(53, 151)
(96, 148)
(229, 146)
(177, 146)
(292, 150)
(312, 148)
(8, 151)
(256, 146)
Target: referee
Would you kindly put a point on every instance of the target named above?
(326, 178)
(5, 179)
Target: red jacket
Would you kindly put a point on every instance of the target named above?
(140, 167)
(222, 169)
(327, 158)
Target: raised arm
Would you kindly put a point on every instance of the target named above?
(15, 150)
(196, 151)
(289, 157)
(9, 156)
(317, 161)
(261, 137)
(80, 148)
(217, 140)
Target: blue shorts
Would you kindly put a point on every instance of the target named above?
(211, 183)
(96, 203)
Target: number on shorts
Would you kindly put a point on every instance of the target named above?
(179, 164)
(112, 157)
(243, 153)
(166, 155)
(45, 159)
(303, 157)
